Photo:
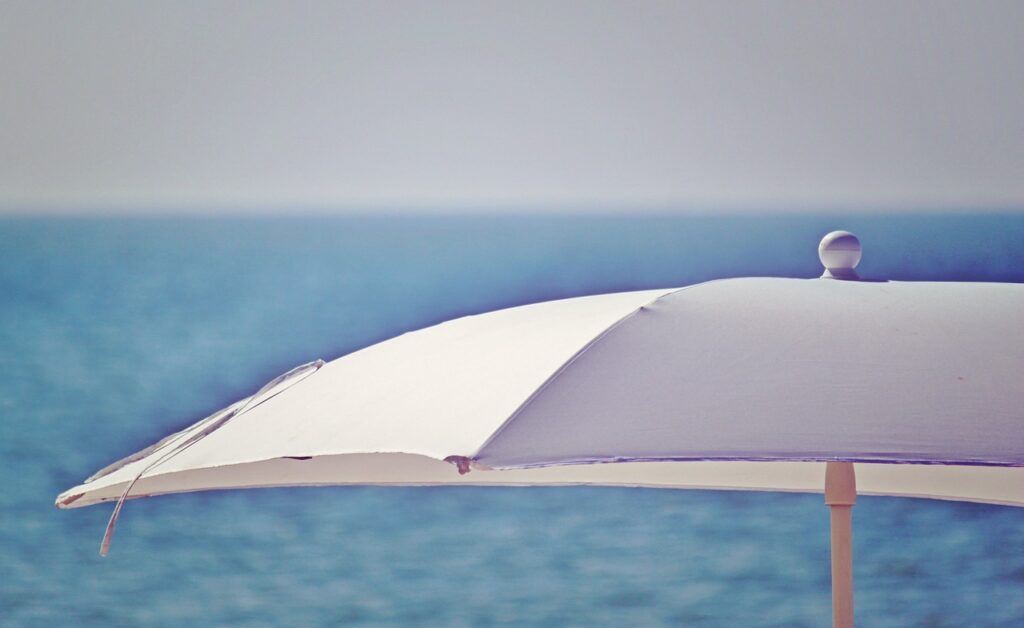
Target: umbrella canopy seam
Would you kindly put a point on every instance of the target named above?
(554, 376)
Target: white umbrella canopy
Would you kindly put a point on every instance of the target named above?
(750, 370)
(762, 379)
(743, 369)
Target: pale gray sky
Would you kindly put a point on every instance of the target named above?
(138, 105)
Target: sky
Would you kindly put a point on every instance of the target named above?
(138, 107)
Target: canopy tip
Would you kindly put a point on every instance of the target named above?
(64, 500)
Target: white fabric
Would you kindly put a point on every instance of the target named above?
(776, 369)
(997, 485)
(786, 369)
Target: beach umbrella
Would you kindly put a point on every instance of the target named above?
(750, 383)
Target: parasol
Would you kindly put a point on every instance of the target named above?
(749, 383)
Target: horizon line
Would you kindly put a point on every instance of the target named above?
(610, 208)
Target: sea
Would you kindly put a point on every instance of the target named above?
(116, 330)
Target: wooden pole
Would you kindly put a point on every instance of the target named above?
(840, 495)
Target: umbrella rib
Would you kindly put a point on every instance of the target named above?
(206, 430)
(551, 378)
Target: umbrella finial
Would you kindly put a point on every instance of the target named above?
(839, 252)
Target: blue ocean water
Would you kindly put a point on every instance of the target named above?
(115, 331)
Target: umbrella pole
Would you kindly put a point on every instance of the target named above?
(840, 495)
